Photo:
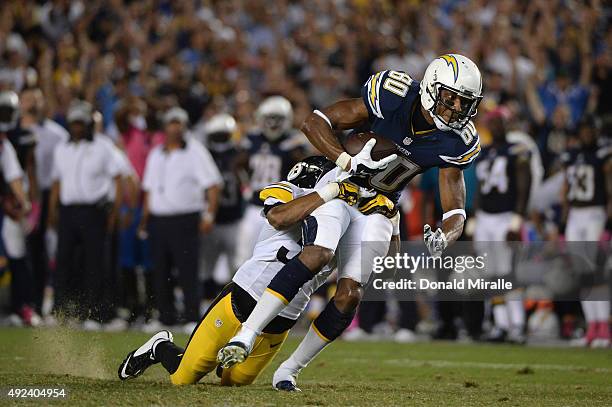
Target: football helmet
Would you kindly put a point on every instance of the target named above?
(459, 75)
(9, 110)
(309, 171)
(274, 116)
(218, 130)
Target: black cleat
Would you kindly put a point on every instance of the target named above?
(286, 385)
(137, 361)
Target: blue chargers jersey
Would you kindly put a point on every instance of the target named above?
(584, 171)
(231, 202)
(392, 98)
(269, 161)
(496, 172)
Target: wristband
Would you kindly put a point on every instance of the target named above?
(329, 191)
(516, 222)
(343, 160)
(454, 212)
(322, 116)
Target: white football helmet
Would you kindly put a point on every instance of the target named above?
(9, 110)
(275, 116)
(458, 74)
(218, 131)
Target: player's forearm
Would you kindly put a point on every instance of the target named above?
(288, 214)
(452, 198)
(321, 136)
(453, 228)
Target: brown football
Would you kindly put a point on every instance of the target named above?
(383, 147)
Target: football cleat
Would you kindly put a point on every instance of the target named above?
(233, 353)
(137, 361)
(286, 385)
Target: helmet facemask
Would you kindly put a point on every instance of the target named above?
(273, 125)
(458, 119)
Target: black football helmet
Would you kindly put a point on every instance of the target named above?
(309, 171)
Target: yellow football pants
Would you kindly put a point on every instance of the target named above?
(214, 331)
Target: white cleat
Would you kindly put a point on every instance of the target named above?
(600, 343)
(285, 379)
(231, 354)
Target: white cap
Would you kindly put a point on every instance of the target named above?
(80, 111)
(176, 114)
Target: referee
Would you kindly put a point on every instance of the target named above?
(181, 184)
(84, 170)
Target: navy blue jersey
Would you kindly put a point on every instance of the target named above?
(231, 202)
(392, 98)
(23, 141)
(584, 171)
(269, 161)
(496, 172)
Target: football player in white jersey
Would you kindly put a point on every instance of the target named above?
(286, 204)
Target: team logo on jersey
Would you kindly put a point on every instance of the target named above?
(452, 62)
(407, 141)
(218, 323)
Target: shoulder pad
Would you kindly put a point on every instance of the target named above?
(279, 192)
(384, 91)
(469, 153)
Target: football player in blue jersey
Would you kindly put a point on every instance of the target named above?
(430, 123)
(587, 207)
(504, 172)
(270, 151)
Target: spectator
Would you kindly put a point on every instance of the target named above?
(85, 169)
(182, 185)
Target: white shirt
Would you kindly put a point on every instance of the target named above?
(48, 135)
(175, 181)
(85, 170)
(11, 170)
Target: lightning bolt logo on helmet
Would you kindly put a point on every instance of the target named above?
(452, 62)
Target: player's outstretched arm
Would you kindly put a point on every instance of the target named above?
(286, 215)
(346, 114)
(452, 198)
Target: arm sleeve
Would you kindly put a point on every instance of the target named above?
(10, 165)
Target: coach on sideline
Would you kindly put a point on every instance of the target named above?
(181, 186)
(84, 170)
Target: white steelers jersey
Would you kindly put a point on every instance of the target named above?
(275, 247)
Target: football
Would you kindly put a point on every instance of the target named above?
(383, 147)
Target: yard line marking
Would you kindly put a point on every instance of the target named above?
(483, 365)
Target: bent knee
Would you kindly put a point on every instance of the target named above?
(347, 299)
(315, 257)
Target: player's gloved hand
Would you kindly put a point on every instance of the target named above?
(378, 204)
(362, 162)
(348, 192)
(435, 241)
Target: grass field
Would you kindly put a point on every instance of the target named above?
(373, 374)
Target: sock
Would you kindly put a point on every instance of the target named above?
(589, 310)
(516, 313)
(281, 290)
(169, 355)
(331, 322)
(288, 281)
(308, 349)
(500, 314)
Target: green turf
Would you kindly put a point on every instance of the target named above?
(371, 374)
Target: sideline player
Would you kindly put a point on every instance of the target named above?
(504, 172)
(586, 192)
(430, 123)
(286, 204)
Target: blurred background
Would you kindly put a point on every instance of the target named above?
(546, 64)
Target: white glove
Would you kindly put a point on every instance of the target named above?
(363, 192)
(435, 241)
(362, 162)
